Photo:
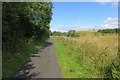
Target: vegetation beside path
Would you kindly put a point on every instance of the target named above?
(88, 56)
(25, 28)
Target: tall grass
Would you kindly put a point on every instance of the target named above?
(88, 56)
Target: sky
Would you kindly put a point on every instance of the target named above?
(84, 16)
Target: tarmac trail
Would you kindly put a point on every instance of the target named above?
(43, 64)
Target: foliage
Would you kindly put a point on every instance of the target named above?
(24, 24)
(71, 33)
(57, 33)
(109, 31)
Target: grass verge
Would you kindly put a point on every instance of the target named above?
(66, 63)
(13, 64)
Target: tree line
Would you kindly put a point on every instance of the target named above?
(110, 31)
(24, 23)
(70, 33)
(74, 33)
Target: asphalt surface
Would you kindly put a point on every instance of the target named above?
(43, 64)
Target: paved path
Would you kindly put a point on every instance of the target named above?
(42, 64)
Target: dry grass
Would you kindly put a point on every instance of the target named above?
(107, 42)
(91, 51)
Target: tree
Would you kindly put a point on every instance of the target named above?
(72, 33)
(22, 22)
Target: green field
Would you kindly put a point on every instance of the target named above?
(88, 56)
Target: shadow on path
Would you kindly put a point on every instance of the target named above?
(24, 71)
(47, 44)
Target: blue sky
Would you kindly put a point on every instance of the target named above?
(83, 16)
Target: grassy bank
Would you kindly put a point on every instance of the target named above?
(88, 56)
(67, 64)
(14, 62)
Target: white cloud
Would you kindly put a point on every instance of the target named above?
(106, 25)
(110, 23)
(109, 18)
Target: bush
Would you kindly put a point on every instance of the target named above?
(72, 33)
(109, 31)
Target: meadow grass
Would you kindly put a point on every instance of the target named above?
(88, 56)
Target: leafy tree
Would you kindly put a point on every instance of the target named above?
(22, 22)
(72, 33)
